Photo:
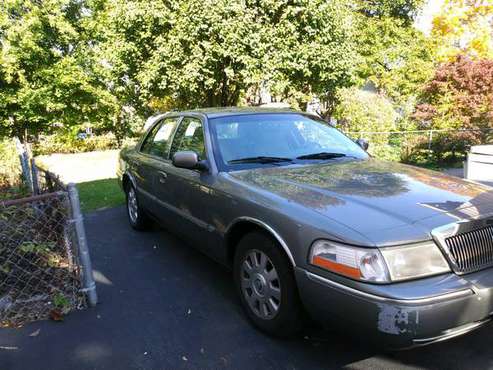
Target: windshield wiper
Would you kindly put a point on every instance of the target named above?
(260, 159)
(321, 155)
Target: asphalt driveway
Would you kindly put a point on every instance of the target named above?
(165, 306)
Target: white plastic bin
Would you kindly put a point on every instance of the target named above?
(479, 166)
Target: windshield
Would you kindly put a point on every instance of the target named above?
(254, 140)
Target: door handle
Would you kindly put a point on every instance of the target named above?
(162, 176)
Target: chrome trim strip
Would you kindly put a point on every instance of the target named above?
(373, 297)
(265, 226)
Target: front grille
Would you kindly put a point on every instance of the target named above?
(472, 250)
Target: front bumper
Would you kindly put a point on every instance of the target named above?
(395, 320)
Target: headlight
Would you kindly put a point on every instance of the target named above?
(383, 265)
(357, 263)
(414, 261)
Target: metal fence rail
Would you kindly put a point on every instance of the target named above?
(45, 181)
(45, 269)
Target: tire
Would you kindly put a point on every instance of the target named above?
(272, 304)
(137, 217)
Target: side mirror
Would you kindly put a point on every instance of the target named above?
(189, 160)
(363, 143)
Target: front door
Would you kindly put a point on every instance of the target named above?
(187, 191)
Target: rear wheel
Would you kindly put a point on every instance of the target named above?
(266, 285)
(136, 215)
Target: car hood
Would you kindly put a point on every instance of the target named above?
(371, 196)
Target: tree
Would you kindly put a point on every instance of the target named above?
(404, 10)
(123, 39)
(183, 54)
(396, 58)
(460, 96)
(207, 58)
(43, 83)
(311, 50)
(464, 27)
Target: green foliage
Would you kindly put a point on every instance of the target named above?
(405, 10)
(363, 111)
(207, 56)
(397, 59)
(360, 112)
(43, 79)
(313, 50)
(61, 302)
(10, 169)
(106, 64)
(37, 248)
(67, 142)
(213, 53)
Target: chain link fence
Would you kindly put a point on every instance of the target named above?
(45, 270)
(45, 181)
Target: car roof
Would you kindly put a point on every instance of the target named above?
(232, 111)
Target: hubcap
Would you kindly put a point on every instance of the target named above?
(260, 284)
(133, 210)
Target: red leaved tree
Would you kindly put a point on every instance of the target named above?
(460, 96)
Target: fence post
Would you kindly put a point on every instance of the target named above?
(35, 177)
(26, 173)
(430, 139)
(89, 286)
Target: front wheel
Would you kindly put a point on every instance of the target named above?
(266, 285)
(136, 215)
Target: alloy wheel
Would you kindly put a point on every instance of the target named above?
(133, 209)
(260, 284)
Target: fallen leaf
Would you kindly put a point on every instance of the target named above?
(35, 333)
(56, 315)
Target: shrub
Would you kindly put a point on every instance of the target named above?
(10, 169)
(11, 185)
(445, 149)
(71, 144)
(363, 111)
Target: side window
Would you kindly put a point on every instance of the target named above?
(158, 140)
(189, 136)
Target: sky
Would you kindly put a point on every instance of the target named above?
(423, 22)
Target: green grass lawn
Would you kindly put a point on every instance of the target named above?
(100, 194)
